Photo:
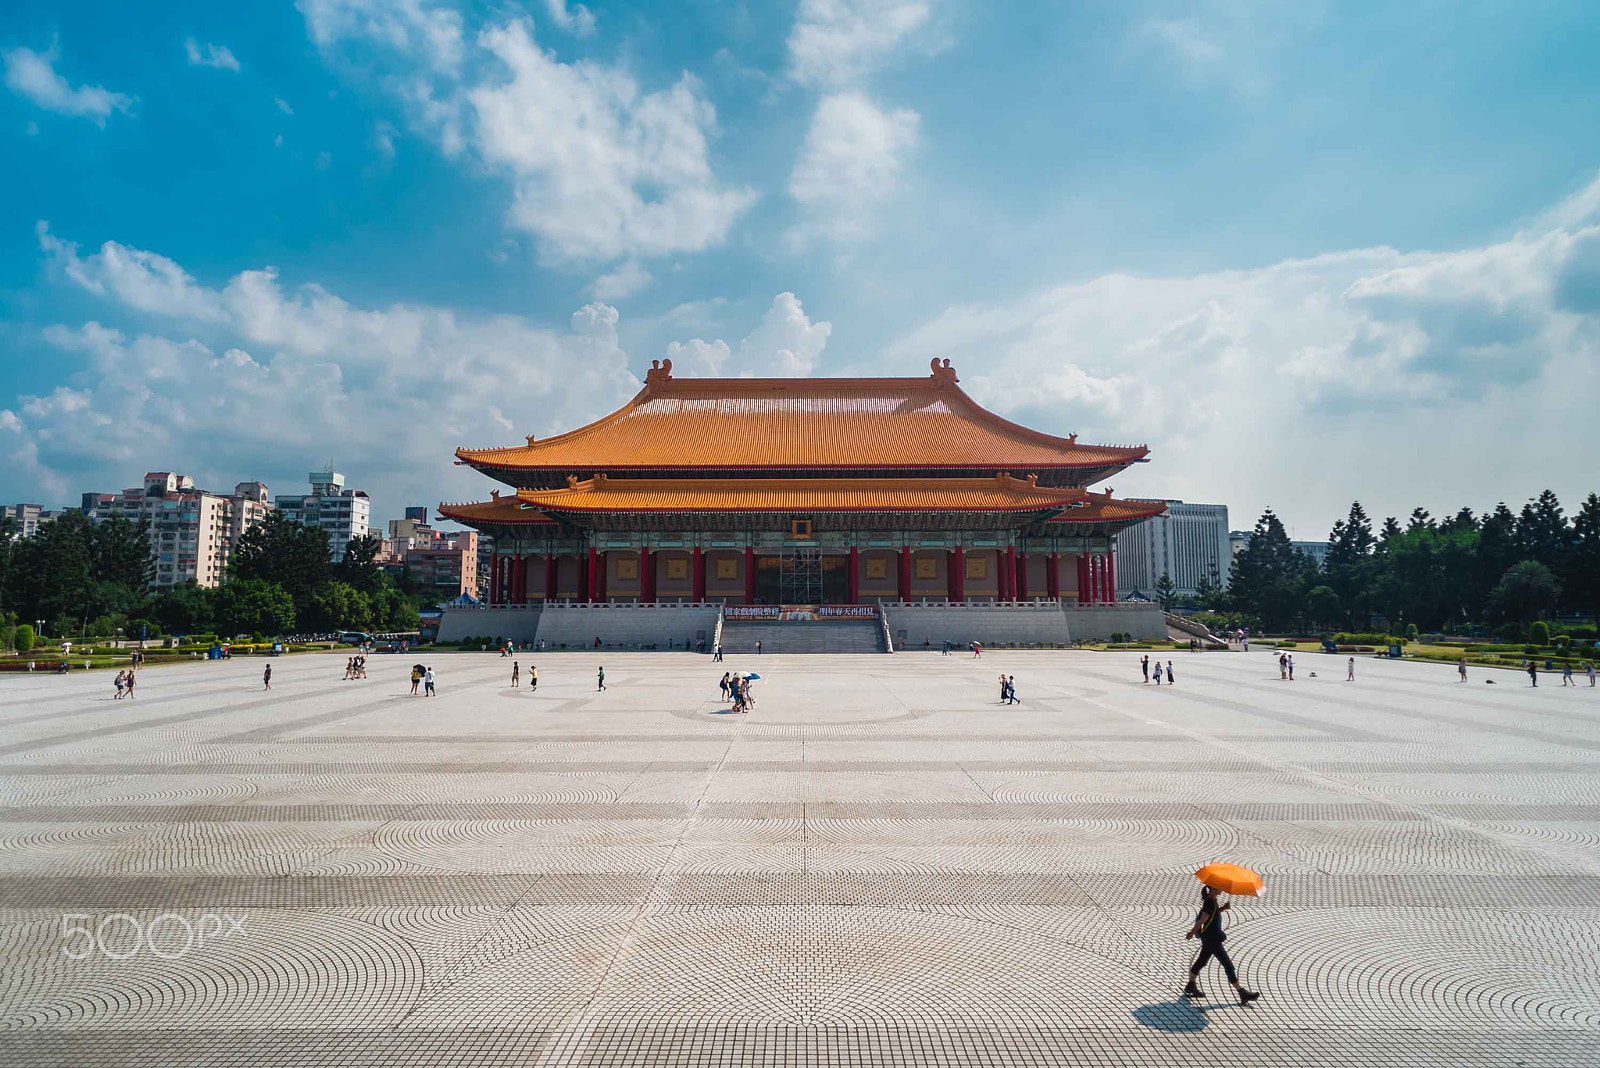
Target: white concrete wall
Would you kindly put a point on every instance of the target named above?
(626, 626)
(518, 623)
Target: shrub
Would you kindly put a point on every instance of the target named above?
(24, 638)
(1411, 631)
(1539, 633)
(1531, 649)
(8, 634)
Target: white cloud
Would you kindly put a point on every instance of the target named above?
(786, 344)
(625, 281)
(418, 28)
(576, 19)
(1286, 384)
(302, 374)
(33, 75)
(210, 55)
(601, 169)
(1184, 39)
(283, 105)
(852, 161)
(837, 42)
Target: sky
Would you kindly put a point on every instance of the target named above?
(1308, 253)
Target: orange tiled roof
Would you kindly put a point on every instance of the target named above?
(793, 423)
(606, 494)
(1101, 508)
(498, 510)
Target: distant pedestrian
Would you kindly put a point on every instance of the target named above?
(1158, 673)
(758, 647)
(1144, 666)
(1533, 673)
(717, 655)
(533, 677)
(121, 678)
(516, 675)
(1283, 666)
(723, 685)
(427, 682)
(1169, 673)
(416, 678)
(1566, 674)
(977, 650)
(1011, 688)
(130, 680)
(1461, 668)
(1003, 689)
(1591, 672)
(1291, 666)
(266, 679)
(597, 641)
(1208, 928)
(600, 683)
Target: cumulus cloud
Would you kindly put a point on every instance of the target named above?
(429, 31)
(786, 344)
(210, 55)
(625, 281)
(837, 42)
(1274, 385)
(601, 169)
(851, 162)
(574, 19)
(33, 75)
(256, 379)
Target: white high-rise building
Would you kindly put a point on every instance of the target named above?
(192, 532)
(1189, 543)
(343, 513)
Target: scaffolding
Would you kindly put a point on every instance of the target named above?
(800, 575)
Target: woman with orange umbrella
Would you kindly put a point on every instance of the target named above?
(1208, 928)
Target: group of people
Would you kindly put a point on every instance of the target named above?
(124, 684)
(1008, 689)
(516, 676)
(1533, 673)
(421, 673)
(356, 668)
(1144, 666)
(736, 688)
(1286, 666)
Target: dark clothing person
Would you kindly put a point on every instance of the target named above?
(1208, 928)
(1533, 673)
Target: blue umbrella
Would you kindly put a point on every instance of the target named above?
(752, 675)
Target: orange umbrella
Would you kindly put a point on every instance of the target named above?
(1232, 879)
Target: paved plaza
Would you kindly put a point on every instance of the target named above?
(881, 864)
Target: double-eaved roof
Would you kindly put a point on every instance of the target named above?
(796, 425)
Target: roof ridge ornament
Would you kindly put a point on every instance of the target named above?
(943, 374)
(659, 374)
(530, 440)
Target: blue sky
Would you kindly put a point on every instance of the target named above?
(1307, 252)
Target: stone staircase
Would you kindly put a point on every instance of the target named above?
(830, 636)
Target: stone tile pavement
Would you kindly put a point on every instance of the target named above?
(879, 865)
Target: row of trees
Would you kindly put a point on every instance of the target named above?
(1501, 569)
(83, 578)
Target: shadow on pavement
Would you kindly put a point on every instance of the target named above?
(1180, 1016)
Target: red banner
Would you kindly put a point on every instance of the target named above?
(800, 613)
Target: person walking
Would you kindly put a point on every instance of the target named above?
(533, 677)
(128, 682)
(1169, 673)
(1350, 670)
(1283, 666)
(1011, 688)
(516, 673)
(121, 677)
(1291, 667)
(1533, 673)
(1158, 673)
(266, 679)
(1590, 666)
(427, 682)
(1566, 674)
(723, 685)
(600, 683)
(977, 650)
(416, 678)
(1461, 669)
(1144, 666)
(1208, 928)
(1002, 689)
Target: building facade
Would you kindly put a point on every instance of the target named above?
(192, 532)
(802, 492)
(29, 517)
(448, 566)
(1189, 542)
(343, 513)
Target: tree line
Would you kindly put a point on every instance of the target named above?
(83, 579)
(1463, 573)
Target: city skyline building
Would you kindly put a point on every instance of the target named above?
(344, 513)
(1189, 543)
(192, 532)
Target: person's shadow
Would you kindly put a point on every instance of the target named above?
(1181, 1016)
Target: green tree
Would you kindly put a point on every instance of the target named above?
(1269, 577)
(1209, 593)
(187, 608)
(337, 606)
(283, 551)
(249, 606)
(1527, 591)
(1166, 591)
(1542, 531)
(1539, 633)
(121, 551)
(1580, 577)
(359, 568)
(23, 639)
(1348, 568)
(1322, 605)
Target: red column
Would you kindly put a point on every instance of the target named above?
(1020, 570)
(1111, 577)
(1083, 578)
(905, 573)
(592, 574)
(1100, 578)
(1009, 592)
(647, 585)
(852, 586)
(600, 579)
(549, 577)
(956, 583)
(699, 571)
(494, 579)
(1052, 576)
(750, 574)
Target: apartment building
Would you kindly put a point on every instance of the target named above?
(29, 517)
(192, 532)
(448, 566)
(343, 513)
